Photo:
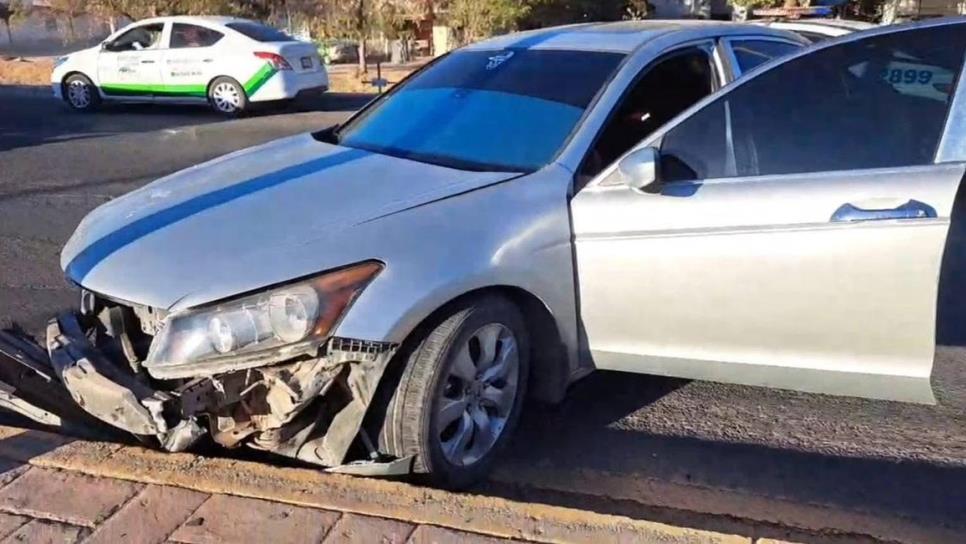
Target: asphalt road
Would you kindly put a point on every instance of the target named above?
(749, 460)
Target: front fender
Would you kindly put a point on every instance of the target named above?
(84, 62)
(514, 234)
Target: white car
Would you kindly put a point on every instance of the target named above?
(816, 30)
(225, 61)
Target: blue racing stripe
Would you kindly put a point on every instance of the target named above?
(85, 261)
(540, 37)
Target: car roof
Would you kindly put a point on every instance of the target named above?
(209, 19)
(621, 36)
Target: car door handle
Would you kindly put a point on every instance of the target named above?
(208, 60)
(913, 209)
(147, 62)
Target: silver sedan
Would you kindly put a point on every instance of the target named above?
(380, 296)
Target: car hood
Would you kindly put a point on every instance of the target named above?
(232, 221)
(83, 54)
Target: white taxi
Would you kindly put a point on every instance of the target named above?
(224, 61)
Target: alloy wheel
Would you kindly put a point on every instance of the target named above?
(79, 94)
(226, 97)
(478, 395)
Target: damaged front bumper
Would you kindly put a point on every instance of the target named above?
(309, 408)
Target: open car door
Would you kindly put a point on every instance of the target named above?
(787, 231)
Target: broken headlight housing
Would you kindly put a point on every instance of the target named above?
(253, 330)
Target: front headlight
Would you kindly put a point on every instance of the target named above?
(250, 331)
(60, 60)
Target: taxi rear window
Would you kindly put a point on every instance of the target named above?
(260, 32)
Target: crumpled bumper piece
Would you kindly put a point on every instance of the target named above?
(310, 408)
(245, 403)
(29, 387)
(99, 386)
(342, 418)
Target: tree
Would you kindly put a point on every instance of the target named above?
(357, 20)
(562, 12)
(756, 4)
(476, 19)
(637, 9)
(68, 11)
(140, 9)
(545, 13)
(5, 14)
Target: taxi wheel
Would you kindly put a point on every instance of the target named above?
(227, 96)
(80, 93)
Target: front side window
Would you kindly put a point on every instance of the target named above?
(140, 37)
(184, 35)
(750, 53)
(508, 110)
(668, 87)
(839, 108)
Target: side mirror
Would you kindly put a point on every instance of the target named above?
(328, 135)
(640, 169)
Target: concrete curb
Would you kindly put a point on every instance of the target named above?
(304, 487)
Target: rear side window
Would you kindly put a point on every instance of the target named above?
(874, 103)
(260, 32)
(751, 53)
(184, 35)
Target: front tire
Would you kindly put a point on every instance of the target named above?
(227, 97)
(80, 94)
(461, 393)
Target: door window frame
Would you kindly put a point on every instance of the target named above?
(728, 50)
(952, 143)
(718, 81)
(162, 43)
(209, 29)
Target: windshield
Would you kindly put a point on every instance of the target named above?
(260, 32)
(506, 110)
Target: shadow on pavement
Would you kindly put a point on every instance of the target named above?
(578, 455)
(690, 482)
(951, 314)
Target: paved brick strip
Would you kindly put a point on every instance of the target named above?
(56, 489)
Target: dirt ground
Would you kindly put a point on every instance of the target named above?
(342, 78)
(23, 71)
